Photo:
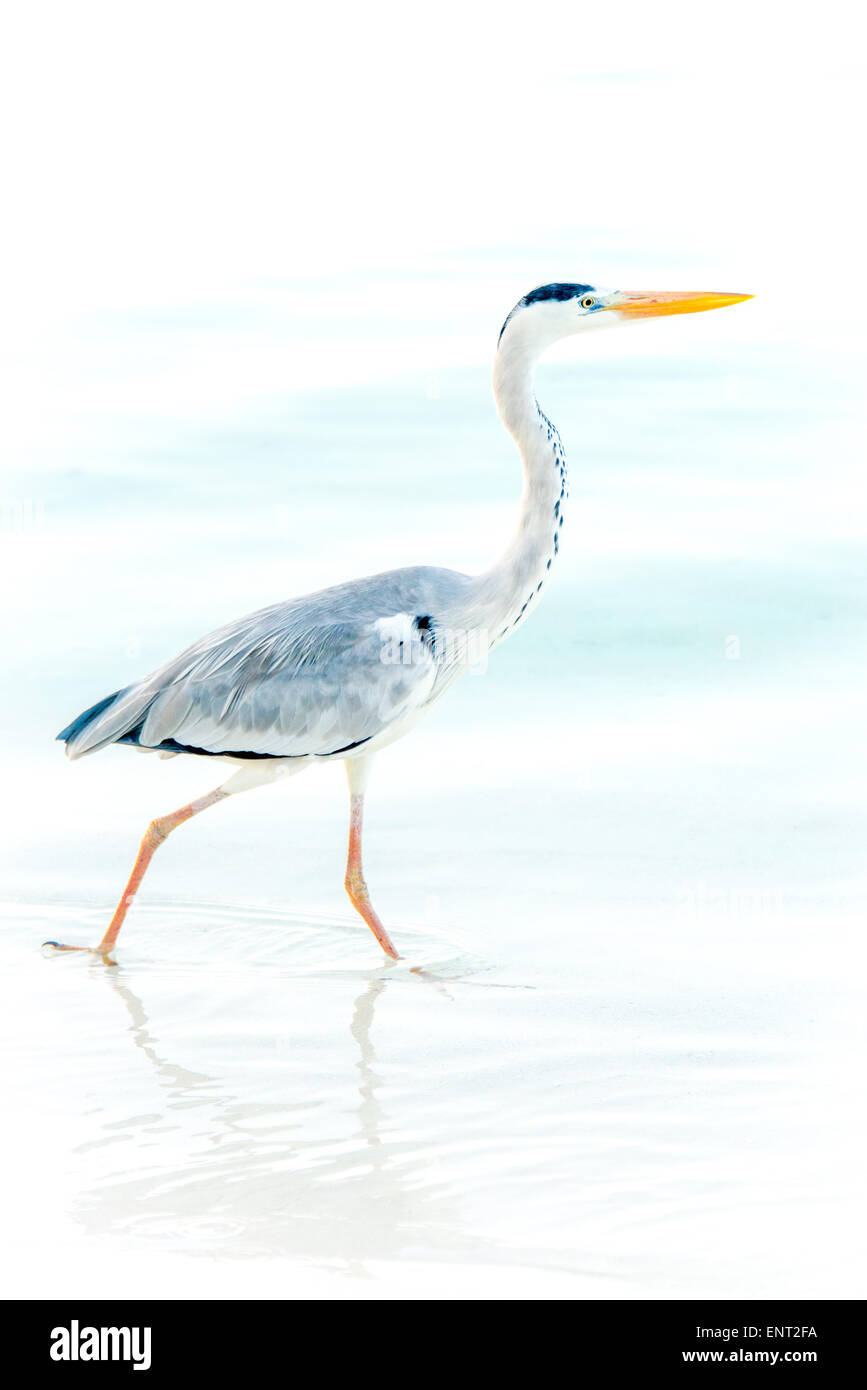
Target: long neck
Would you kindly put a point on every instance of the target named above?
(508, 592)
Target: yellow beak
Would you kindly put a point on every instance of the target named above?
(645, 305)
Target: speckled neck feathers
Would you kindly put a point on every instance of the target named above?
(508, 592)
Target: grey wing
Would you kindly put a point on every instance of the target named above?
(298, 679)
(328, 689)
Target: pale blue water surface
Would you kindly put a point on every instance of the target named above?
(628, 858)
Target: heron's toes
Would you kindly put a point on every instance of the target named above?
(51, 948)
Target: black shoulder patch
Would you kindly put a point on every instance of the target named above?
(426, 627)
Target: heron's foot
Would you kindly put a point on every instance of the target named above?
(51, 948)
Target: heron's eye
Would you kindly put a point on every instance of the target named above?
(587, 302)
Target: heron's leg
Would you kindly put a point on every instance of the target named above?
(253, 775)
(157, 831)
(357, 773)
(153, 837)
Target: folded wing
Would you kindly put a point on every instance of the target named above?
(315, 676)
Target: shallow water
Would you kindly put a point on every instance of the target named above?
(622, 1055)
(253, 1087)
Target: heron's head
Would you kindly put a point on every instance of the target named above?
(552, 312)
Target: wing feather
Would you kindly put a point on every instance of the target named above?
(309, 677)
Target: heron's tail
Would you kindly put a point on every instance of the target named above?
(96, 727)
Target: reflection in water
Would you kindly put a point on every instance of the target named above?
(369, 1111)
(324, 1113)
(177, 1080)
(273, 1176)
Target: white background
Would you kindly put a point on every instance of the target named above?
(254, 264)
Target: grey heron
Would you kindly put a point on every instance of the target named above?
(340, 673)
